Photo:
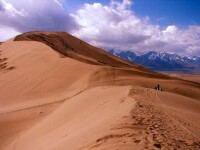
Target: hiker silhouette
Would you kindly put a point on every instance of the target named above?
(158, 87)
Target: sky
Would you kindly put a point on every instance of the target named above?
(138, 25)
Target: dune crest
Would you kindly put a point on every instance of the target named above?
(70, 46)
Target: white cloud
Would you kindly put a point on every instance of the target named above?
(7, 33)
(11, 10)
(170, 29)
(57, 2)
(108, 25)
(117, 26)
(29, 15)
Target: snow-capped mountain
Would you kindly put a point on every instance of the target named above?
(162, 61)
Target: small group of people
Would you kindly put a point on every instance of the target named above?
(158, 87)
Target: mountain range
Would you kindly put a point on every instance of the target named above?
(161, 61)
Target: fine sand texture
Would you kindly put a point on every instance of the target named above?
(60, 93)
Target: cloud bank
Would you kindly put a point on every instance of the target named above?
(112, 26)
(29, 15)
(116, 26)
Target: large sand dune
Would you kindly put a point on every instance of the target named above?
(58, 92)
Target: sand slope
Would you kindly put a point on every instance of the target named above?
(50, 75)
(94, 110)
(50, 102)
(190, 77)
(70, 46)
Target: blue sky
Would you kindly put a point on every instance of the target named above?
(178, 12)
(137, 25)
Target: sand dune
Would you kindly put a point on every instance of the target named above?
(58, 92)
(70, 46)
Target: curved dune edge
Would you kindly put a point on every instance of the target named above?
(110, 117)
(79, 121)
(70, 46)
(51, 102)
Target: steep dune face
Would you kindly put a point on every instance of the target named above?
(39, 72)
(70, 46)
(58, 92)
